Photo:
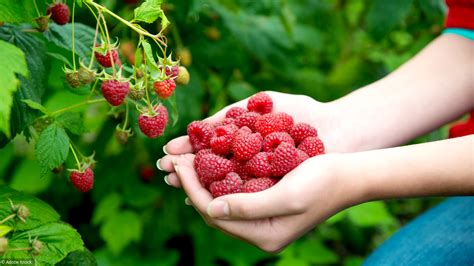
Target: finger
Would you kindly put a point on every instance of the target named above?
(178, 145)
(166, 163)
(172, 180)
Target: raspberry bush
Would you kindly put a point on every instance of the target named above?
(92, 90)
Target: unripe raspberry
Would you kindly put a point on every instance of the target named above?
(37, 246)
(3, 245)
(183, 76)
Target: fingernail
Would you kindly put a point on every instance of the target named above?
(158, 165)
(164, 150)
(218, 209)
(187, 201)
(166, 180)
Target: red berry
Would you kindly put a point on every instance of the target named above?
(245, 146)
(147, 172)
(239, 168)
(115, 91)
(221, 142)
(226, 121)
(104, 59)
(59, 13)
(200, 134)
(272, 140)
(312, 146)
(258, 184)
(301, 131)
(154, 125)
(302, 156)
(259, 165)
(261, 103)
(229, 185)
(213, 168)
(286, 120)
(164, 88)
(235, 112)
(284, 159)
(247, 120)
(198, 157)
(267, 124)
(82, 181)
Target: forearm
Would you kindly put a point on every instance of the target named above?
(438, 168)
(433, 88)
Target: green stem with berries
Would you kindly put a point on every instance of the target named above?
(72, 32)
(75, 156)
(126, 117)
(60, 111)
(9, 217)
(108, 45)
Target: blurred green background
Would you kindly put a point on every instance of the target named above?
(324, 49)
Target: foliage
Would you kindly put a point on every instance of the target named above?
(324, 49)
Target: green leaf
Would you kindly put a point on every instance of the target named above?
(13, 62)
(107, 207)
(314, 251)
(40, 212)
(36, 106)
(370, 214)
(72, 122)
(83, 38)
(150, 60)
(16, 11)
(174, 109)
(384, 15)
(128, 224)
(141, 195)
(52, 147)
(59, 239)
(239, 90)
(5, 229)
(150, 11)
(79, 258)
(27, 178)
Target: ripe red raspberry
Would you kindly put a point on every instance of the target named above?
(302, 156)
(213, 168)
(59, 13)
(239, 168)
(200, 134)
(153, 125)
(245, 146)
(286, 120)
(267, 124)
(260, 103)
(235, 112)
(272, 140)
(104, 59)
(284, 159)
(82, 181)
(301, 131)
(147, 172)
(226, 121)
(172, 71)
(243, 131)
(312, 146)
(229, 185)
(258, 184)
(164, 88)
(198, 157)
(259, 165)
(247, 120)
(221, 142)
(115, 91)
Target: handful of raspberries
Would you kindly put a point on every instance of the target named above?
(251, 149)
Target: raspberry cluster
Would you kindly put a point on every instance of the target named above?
(251, 149)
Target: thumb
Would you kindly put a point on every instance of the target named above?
(248, 206)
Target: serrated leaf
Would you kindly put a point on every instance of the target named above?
(128, 224)
(52, 147)
(72, 122)
(13, 62)
(59, 239)
(83, 38)
(107, 207)
(36, 106)
(150, 11)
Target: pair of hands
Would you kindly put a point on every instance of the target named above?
(273, 218)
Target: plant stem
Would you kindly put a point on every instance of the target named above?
(109, 51)
(94, 43)
(126, 117)
(72, 32)
(57, 112)
(75, 157)
(9, 217)
(148, 102)
(36, 7)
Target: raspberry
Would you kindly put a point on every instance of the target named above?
(245, 146)
(199, 155)
(259, 165)
(312, 146)
(86, 75)
(200, 134)
(267, 124)
(137, 93)
(258, 184)
(272, 140)
(164, 88)
(230, 184)
(235, 112)
(284, 159)
(104, 59)
(221, 142)
(302, 156)
(226, 121)
(243, 131)
(115, 91)
(183, 76)
(172, 71)
(239, 168)
(73, 79)
(59, 13)
(301, 131)
(153, 125)
(260, 103)
(213, 168)
(3, 245)
(247, 120)
(82, 181)
(286, 120)
(147, 172)
(42, 22)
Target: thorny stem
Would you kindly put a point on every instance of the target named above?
(9, 217)
(75, 157)
(72, 32)
(57, 112)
